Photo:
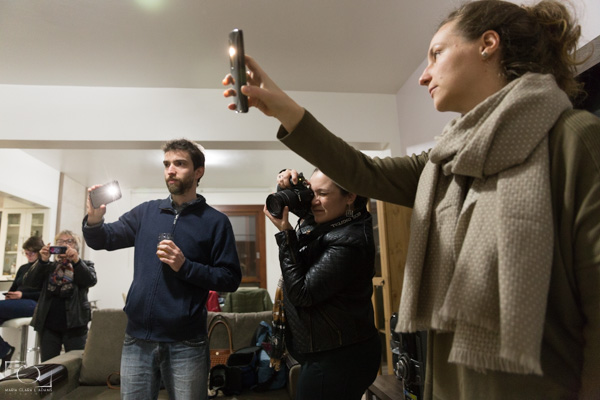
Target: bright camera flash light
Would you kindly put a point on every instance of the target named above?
(232, 51)
(112, 190)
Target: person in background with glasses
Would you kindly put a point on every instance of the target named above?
(63, 310)
(22, 298)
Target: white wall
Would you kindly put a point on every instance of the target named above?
(152, 114)
(30, 179)
(72, 205)
(589, 18)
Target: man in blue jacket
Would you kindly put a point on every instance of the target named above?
(166, 330)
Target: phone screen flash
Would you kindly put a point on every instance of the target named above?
(112, 189)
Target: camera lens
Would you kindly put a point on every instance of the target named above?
(275, 205)
(296, 200)
(402, 368)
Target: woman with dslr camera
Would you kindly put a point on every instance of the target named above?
(327, 268)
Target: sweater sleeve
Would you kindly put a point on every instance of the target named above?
(223, 273)
(112, 236)
(26, 292)
(575, 174)
(391, 179)
(586, 244)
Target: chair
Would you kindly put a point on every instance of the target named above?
(248, 300)
(23, 324)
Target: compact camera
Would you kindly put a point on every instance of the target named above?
(297, 199)
(408, 357)
(57, 249)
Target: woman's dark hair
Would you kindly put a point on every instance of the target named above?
(34, 244)
(541, 38)
(360, 202)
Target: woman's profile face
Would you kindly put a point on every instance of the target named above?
(329, 202)
(454, 74)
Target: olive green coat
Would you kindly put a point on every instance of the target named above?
(571, 341)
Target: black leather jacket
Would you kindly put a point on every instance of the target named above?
(77, 306)
(327, 276)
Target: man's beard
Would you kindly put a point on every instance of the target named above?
(179, 187)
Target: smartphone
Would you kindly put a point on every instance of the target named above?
(105, 194)
(238, 68)
(58, 249)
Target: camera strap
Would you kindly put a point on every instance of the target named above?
(333, 224)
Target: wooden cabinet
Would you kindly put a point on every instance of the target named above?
(16, 226)
(391, 224)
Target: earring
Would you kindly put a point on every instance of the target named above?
(349, 211)
(484, 54)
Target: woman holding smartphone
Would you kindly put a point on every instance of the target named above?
(503, 263)
(63, 310)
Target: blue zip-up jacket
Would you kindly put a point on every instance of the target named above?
(164, 305)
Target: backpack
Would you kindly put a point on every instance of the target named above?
(237, 374)
(246, 360)
(267, 377)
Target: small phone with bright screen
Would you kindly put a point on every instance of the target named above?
(58, 249)
(105, 194)
(238, 68)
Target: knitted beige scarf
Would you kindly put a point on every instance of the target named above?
(480, 250)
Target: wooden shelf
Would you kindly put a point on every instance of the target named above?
(393, 231)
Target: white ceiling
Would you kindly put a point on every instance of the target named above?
(354, 46)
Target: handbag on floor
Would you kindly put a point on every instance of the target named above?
(220, 356)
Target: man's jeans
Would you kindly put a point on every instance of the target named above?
(181, 366)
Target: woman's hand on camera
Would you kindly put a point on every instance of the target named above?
(286, 178)
(265, 95)
(283, 223)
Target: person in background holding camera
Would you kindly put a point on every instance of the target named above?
(327, 268)
(22, 298)
(166, 335)
(63, 311)
(503, 266)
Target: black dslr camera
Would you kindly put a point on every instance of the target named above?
(408, 357)
(297, 198)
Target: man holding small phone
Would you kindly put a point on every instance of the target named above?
(183, 249)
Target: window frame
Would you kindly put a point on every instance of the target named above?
(255, 211)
